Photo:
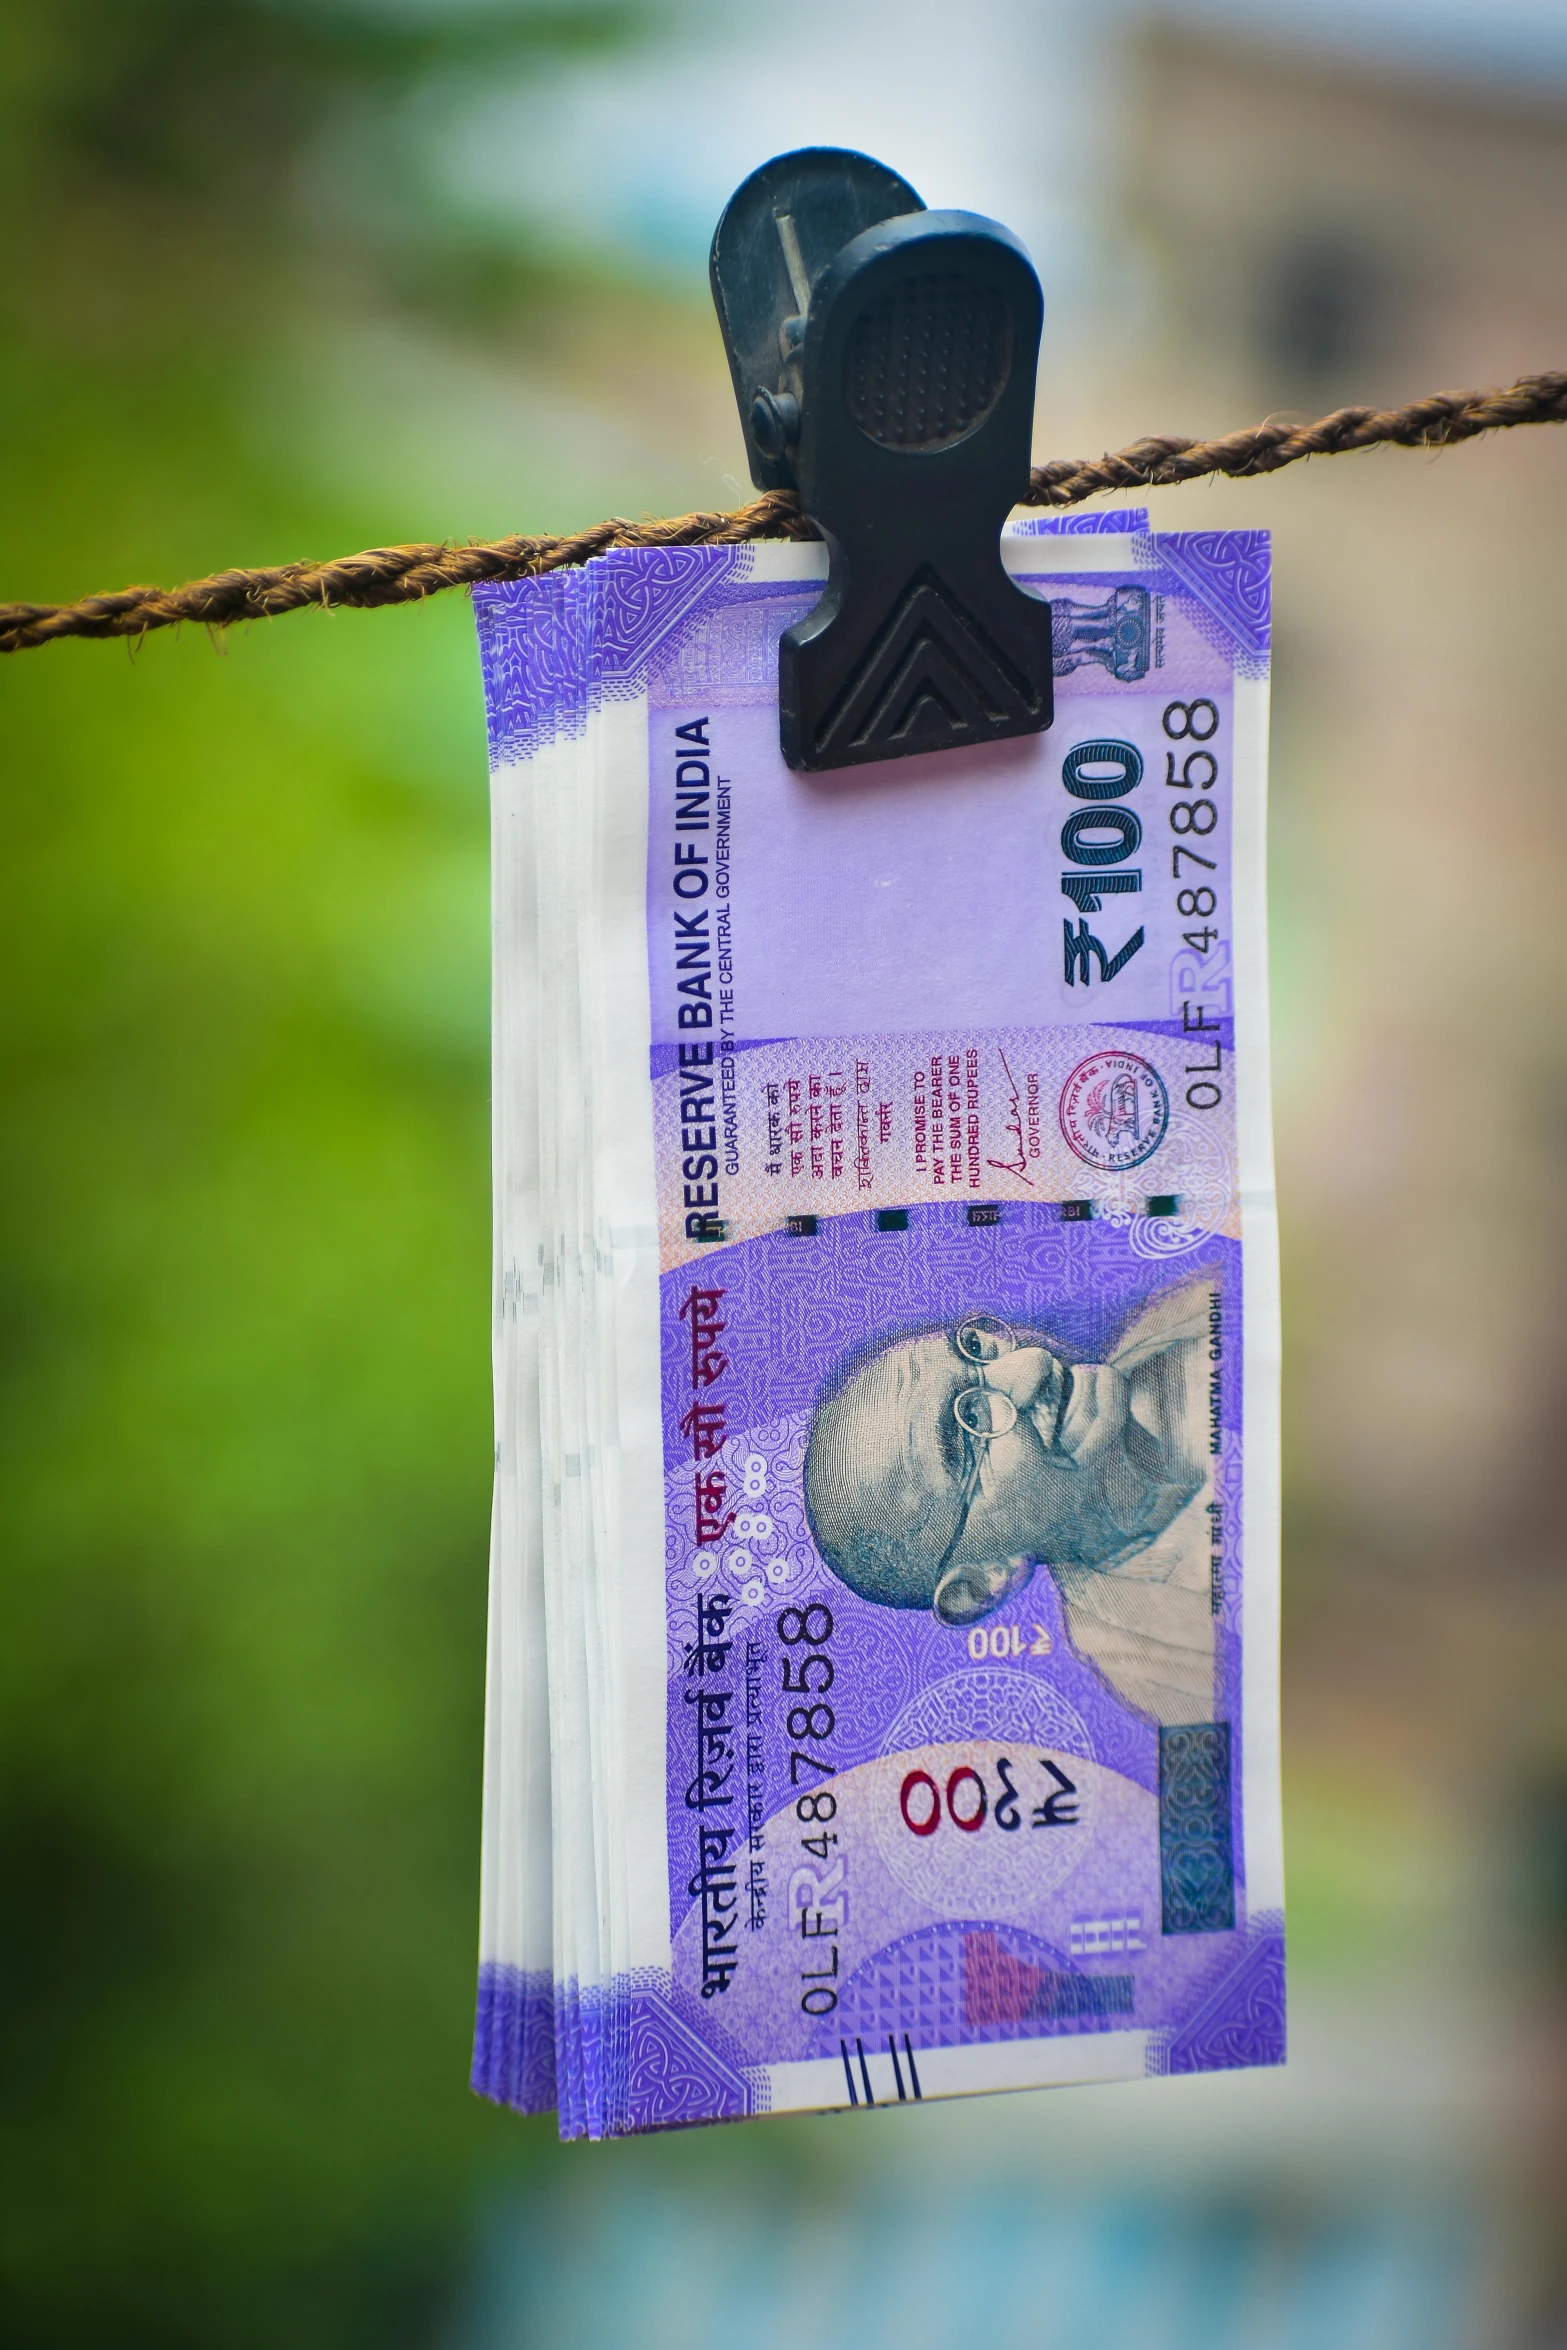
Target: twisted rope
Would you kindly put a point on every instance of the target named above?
(404, 575)
(1432, 423)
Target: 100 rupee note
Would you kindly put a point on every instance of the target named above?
(908, 1345)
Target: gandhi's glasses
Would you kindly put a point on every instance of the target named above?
(982, 1412)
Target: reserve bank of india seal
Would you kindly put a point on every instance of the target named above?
(1114, 1111)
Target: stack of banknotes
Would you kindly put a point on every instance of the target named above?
(882, 1696)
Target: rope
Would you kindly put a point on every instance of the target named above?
(404, 575)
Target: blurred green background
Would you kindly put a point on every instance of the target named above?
(244, 1248)
(288, 277)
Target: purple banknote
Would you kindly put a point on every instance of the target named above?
(903, 1300)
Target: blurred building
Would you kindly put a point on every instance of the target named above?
(1329, 232)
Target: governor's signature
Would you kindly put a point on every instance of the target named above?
(1014, 1123)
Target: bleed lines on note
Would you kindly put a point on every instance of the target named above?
(861, 2092)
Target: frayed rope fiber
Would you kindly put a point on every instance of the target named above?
(404, 575)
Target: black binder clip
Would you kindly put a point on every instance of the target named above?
(883, 358)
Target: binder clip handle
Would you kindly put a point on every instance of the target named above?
(883, 359)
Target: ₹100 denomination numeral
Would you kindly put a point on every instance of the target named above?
(969, 1803)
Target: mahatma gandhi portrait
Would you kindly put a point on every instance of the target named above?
(948, 1464)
